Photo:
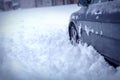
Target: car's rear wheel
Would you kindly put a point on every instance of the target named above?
(73, 34)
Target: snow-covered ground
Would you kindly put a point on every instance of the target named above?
(34, 45)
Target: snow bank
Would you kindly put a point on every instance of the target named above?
(35, 46)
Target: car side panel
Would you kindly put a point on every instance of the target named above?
(109, 30)
(101, 29)
(96, 34)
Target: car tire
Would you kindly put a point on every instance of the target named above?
(73, 35)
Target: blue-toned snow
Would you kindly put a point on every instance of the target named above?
(34, 45)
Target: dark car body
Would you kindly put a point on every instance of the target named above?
(98, 24)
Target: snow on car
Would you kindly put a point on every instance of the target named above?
(34, 45)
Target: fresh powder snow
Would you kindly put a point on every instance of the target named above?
(34, 45)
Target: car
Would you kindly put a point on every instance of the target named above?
(97, 23)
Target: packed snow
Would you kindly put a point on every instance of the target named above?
(89, 30)
(34, 45)
(107, 7)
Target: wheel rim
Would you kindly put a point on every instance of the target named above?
(73, 35)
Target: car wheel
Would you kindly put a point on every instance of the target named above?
(73, 35)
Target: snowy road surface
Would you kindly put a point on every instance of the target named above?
(34, 45)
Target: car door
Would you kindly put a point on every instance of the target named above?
(103, 24)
